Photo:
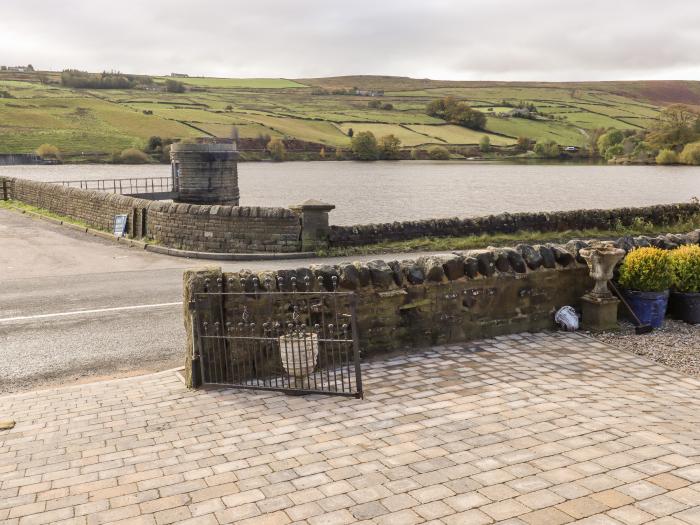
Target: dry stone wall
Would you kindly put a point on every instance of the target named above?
(437, 299)
(557, 221)
(205, 228)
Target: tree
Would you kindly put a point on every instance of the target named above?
(339, 153)
(278, 152)
(593, 136)
(485, 144)
(608, 139)
(48, 151)
(667, 156)
(524, 144)
(452, 110)
(547, 150)
(691, 154)
(364, 146)
(174, 86)
(675, 127)
(350, 132)
(322, 153)
(154, 143)
(387, 106)
(439, 153)
(374, 104)
(30, 67)
(389, 147)
(614, 151)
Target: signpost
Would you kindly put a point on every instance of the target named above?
(120, 225)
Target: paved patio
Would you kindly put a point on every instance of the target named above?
(533, 429)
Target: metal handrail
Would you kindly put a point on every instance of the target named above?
(126, 186)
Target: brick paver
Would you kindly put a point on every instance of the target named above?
(531, 428)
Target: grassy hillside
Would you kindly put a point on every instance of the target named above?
(101, 120)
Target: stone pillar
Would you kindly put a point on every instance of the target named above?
(205, 173)
(314, 224)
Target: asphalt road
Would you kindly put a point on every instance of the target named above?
(75, 307)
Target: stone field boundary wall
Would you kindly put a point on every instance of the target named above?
(556, 221)
(202, 228)
(441, 299)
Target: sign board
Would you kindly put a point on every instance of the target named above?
(120, 225)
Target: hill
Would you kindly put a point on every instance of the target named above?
(318, 110)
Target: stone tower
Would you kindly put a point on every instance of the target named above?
(205, 172)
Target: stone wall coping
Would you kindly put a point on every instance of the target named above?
(452, 266)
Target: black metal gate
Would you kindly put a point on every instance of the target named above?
(274, 337)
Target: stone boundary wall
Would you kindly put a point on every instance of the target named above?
(557, 221)
(205, 228)
(443, 299)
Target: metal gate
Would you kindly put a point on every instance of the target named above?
(270, 336)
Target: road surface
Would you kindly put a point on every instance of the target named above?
(75, 307)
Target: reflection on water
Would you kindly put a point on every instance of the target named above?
(398, 191)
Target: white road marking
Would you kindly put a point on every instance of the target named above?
(97, 311)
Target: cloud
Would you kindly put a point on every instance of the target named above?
(455, 39)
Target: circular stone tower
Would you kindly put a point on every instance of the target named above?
(205, 172)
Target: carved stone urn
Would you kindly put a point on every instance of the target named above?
(299, 352)
(599, 306)
(601, 259)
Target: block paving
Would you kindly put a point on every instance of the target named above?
(526, 429)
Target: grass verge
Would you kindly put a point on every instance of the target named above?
(438, 244)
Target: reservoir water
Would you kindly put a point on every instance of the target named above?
(398, 191)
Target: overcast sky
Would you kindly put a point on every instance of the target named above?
(442, 39)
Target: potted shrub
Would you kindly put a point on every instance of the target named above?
(685, 297)
(646, 276)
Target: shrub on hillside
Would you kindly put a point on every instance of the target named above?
(456, 112)
(547, 150)
(133, 156)
(439, 153)
(691, 154)
(48, 151)
(173, 86)
(614, 151)
(667, 156)
(485, 144)
(611, 138)
(389, 147)
(278, 152)
(364, 146)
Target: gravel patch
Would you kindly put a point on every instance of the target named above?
(676, 344)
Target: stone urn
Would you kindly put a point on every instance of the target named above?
(299, 352)
(599, 306)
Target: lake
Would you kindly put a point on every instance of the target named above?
(399, 191)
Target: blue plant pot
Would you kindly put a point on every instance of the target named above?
(650, 307)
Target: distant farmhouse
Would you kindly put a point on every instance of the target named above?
(18, 69)
(369, 93)
(179, 75)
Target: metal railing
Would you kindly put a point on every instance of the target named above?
(131, 186)
(277, 336)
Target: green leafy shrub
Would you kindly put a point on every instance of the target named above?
(364, 146)
(439, 153)
(691, 154)
(48, 151)
(667, 156)
(133, 156)
(685, 264)
(278, 152)
(646, 270)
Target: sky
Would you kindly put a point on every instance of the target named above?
(543, 40)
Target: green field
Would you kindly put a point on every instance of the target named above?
(79, 120)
